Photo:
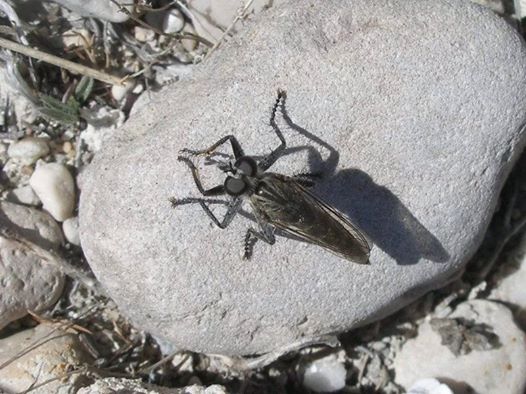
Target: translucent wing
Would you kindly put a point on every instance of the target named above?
(287, 205)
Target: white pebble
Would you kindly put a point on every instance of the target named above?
(429, 386)
(55, 187)
(24, 195)
(28, 150)
(173, 21)
(143, 34)
(325, 375)
(70, 227)
(119, 92)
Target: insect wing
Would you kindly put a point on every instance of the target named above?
(287, 205)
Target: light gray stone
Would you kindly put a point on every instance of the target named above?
(26, 281)
(325, 375)
(28, 150)
(23, 195)
(501, 369)
(103, 9)
(429, 386)
(413, 110)
(173, 21)
(57, 351)
(212, 17)
(54, 185)
(71, 230)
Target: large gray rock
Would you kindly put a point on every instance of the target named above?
(412, 108)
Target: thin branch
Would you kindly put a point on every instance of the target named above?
(239, 16)
(59, 62)
(51, 380)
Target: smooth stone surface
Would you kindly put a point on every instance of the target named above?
(54, 185)
(23, 195)
(429, 386)
(28, 150)
(325, 375)
(102, 9)
(173, 21)
(499, 370)
(26, 281)
(212, 17)
(58, 351)
(71, 230)
(414, 149)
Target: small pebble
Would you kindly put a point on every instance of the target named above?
(55, 187)
(173, 21)
(429, 386)
(67, 147)
(70, 227)
(325, 375)
(28, 150)
(189, 44)
(119, 92)
(76, 38)
(143, 34)
(24, 195)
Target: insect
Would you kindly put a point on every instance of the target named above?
(278, 201)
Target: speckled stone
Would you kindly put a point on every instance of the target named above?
(27, 282)
(412, 109)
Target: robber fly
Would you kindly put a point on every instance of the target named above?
(278, 201)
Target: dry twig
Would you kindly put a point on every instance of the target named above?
(59, 62)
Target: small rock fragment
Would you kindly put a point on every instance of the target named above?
(325, 375)
(24, 195)
(76, 38)
(122, 385)
(55, 187)
(429, 386)
(57, 352)
(28, 150)
(500, 369)
(102, 9)
(70, 227)
(173, 21)
(143, 34)
(119, 92)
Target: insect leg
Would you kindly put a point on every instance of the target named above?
(233, 208)
(236, 148)
(266, 234)
(267, 162)
(214, 191)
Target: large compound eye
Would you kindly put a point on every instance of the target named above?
(235, 186)
(247, 165)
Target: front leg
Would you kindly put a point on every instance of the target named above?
(267, 162)
(214, 191)
(266, 234)
(236, 148)
(233, 208)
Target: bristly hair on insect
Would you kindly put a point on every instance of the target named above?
(278, 201)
